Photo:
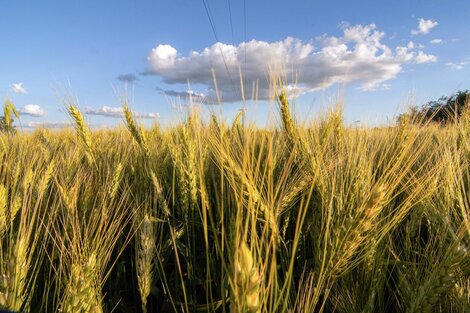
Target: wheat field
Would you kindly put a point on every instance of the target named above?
(216, 216)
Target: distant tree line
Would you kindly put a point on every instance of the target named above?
(445, 110)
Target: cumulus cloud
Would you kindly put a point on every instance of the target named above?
(436, 41)
(127, 78)
(18, 88)
(424, 26)
(357, 56)
(32, 110)
(118, 112)
(421, 58)
(48, 125)
(457, 66)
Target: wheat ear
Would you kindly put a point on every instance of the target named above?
(8, 209)
(252, 191)
(355, 230)
(136, 131)
(440, 281)
(116, 180)
(83, 294)
(145, 255)
(83, 132)
(248, 279)
(14, 278)
(287, 121)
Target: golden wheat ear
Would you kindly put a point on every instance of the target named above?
(83, 132)
(248, 279)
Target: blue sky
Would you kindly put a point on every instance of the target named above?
(380, 54)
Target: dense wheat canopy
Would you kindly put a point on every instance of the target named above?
(218, 217)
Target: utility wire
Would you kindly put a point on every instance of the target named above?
(244, 30)
(231, 22)
(211, 21)
(244, 66)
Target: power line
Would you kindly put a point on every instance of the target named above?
(231, 22)
(244, 66)
(211, 21)
(244, 30)
(209, 16)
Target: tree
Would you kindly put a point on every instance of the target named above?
(2, 123)
(445, 110)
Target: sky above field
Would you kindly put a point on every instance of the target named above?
(378, 55)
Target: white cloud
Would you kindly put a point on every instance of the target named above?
(48, 125)
(18, 88)
(436, 41)
(424, 26)
(163, 56)
(32, 110)
(421, 58)
(357, 56)
(457, 66)
(118, 112)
